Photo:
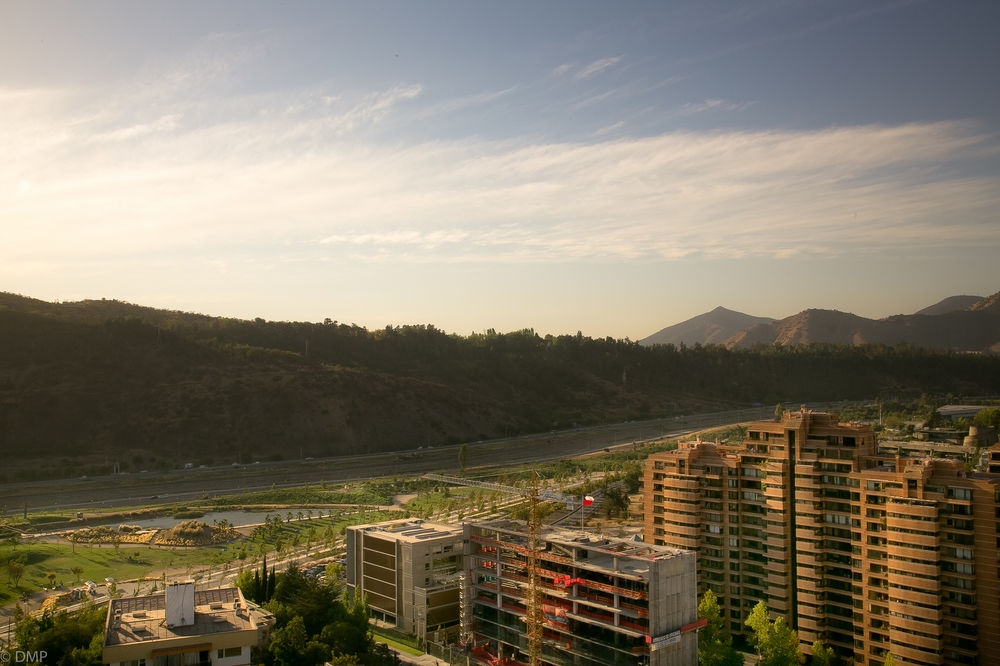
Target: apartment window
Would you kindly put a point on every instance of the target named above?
(225, 653)
(960, 493)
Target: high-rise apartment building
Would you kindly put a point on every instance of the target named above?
(604, 601)
(866, 552)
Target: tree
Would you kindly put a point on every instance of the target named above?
(333, 572)
(288, 643)
(615, 500)
(463, 456)
(714, 644)
(822, 655)
(933, 418)
(776, 643)
(78, 572)
(779, 410)
(69, 639)
(889, 660)
(987, 417)
(51, 576)
(15, 569)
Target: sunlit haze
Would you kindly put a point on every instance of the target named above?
(607, 167)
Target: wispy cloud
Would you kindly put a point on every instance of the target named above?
(597, 67)
(465, 102)
(607, 129)
(562, 69)
(693, 108)
(305, 181)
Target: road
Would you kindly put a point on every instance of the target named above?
(180, 485)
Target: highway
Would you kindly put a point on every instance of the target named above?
(143, 489)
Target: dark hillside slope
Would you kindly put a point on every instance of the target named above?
(148, 388)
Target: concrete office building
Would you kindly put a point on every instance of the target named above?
(184, 627)
(866, 552)
(604, 600)
(409, 571)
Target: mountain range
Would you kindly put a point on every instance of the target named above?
(961, 323)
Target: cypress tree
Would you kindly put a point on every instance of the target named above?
(264, 583)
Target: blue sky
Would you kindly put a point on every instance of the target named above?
(612, 168)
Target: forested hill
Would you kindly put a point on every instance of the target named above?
(85, 383)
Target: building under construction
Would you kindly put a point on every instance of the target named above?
(597, 601)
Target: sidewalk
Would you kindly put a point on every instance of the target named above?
(423, 660)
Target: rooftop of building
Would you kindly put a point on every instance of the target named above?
(139, 619)
(956, 411)
(410, 530)
(613, 554)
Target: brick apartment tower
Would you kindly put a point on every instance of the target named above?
(864, 552)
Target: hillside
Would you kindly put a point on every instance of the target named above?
(90, 384)
(711, 328)
(950, 304)
(829, 326)
(976, 328)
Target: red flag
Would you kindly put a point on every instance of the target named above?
(588, 500)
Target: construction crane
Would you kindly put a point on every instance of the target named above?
(535, 613)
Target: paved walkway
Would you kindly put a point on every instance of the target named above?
(423, 660)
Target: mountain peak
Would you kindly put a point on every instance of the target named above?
(710, 328)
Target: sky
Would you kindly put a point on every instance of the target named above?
(612, 168)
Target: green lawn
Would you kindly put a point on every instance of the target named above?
(97, 563)
(456, 498)
(394, 643)
(300, 532)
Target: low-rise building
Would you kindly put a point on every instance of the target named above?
(184, 627)
(409, 571)
(603, 600)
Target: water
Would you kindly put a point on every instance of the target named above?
(236, 518)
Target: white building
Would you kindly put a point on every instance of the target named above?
(184, 627)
